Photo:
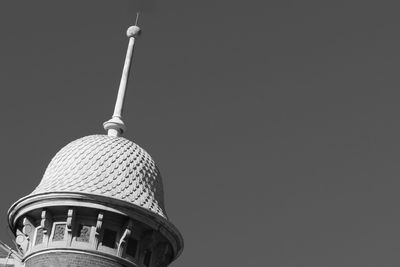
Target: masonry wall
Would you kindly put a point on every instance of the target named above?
(58, 259)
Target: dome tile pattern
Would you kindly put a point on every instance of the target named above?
(108, 166)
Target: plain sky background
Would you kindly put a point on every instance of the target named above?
(275, 124)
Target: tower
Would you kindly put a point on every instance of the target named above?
(99, 203)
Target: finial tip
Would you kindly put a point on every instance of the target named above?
(137, 18)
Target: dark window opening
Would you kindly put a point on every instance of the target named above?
(147, 257)
(83, 233)
(109, 237)
(131, 248)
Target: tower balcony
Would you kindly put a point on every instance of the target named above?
(62, 229)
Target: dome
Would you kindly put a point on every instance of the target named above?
(108, 166)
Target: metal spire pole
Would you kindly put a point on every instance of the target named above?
(115, 126)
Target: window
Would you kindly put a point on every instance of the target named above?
(131, 247)
(59, 231)
(83, 233)
(39, 236)
(147, 258)
(109, 237)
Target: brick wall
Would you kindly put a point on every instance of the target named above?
(64, 259)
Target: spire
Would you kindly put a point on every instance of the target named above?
(115, 126)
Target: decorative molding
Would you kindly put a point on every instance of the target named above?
(25, 237)
(124, 239)
(84, 233)
(59, 230)
(99, 224)
(70, 224)
(100, 202)
(22, 241)
(46, 224)
(28, 228)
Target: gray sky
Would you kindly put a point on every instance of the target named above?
(275, 123)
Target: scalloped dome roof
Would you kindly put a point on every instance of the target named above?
(109, 166)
